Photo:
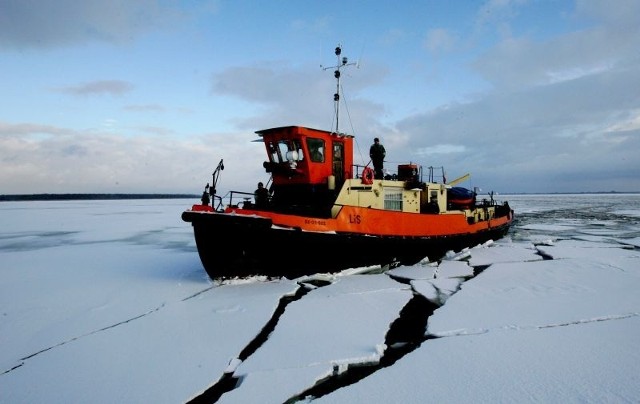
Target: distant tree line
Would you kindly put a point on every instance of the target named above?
(69, 197)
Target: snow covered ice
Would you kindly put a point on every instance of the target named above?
(107, 301)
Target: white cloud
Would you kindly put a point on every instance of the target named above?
(112, 87)
(440, 149)
(72, 161)
(46, 23)
(557, 101)
(520, 62)
(627, 124)
(439, 39)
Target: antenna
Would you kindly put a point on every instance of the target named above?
(342, 62)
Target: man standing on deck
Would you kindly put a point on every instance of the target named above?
(261, 196)
(377, 154)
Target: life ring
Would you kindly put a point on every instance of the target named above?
(367, 176)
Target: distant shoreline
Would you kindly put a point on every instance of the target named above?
(74, 197)
(88, 197)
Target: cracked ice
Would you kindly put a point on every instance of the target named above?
(122, 310)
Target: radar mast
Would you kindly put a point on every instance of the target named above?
(342, 62)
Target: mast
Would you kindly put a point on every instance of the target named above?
(342, 62)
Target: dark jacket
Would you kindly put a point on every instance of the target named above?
(377, 154)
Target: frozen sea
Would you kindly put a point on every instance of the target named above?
(107, 301)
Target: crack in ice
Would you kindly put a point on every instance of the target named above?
(23, 359)
(468, 332)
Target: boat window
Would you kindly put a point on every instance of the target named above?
(434, 196)
(273, 153)
(338, 164)
(286, 151)
(283, 148)
(297, 146)
(316, 149)
(392, 199)
(337, 151)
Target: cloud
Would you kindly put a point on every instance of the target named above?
(552, 138)
(555, 113)
(30, 130)
(439, 39)
(608, 41)
(111, 87)
(498, 10)
(318, 25)
(285, 94)
(626, 124)
(59, 160)
(52, 23)
(145, 108)
(392, 36)
(561, 113)
(622, 17)
(440, 149)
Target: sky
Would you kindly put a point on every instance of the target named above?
(148, 96)
(97, 307)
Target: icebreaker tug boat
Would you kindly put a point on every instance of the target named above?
(324, 213)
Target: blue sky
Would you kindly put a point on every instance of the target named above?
(148, 96)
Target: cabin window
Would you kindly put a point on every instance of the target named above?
(283, 148)
(393, 200)
(286, 151)
(297, 146)
(316, 149)
(434, 196)
(337, 151)
(338, 164)
(273, 153)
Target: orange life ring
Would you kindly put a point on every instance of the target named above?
(367, 176)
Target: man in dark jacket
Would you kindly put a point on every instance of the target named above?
(377, 154)
(261, 196)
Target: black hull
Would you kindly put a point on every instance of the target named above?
(236, 245)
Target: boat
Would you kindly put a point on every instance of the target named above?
(326, 213)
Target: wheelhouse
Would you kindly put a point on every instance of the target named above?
(307, 165)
